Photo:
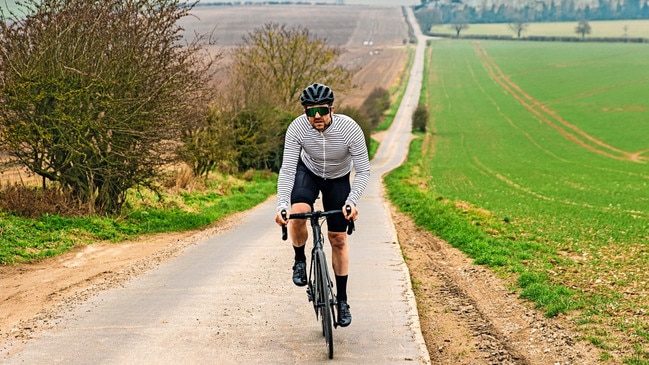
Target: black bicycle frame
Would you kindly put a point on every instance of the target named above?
(320, 288)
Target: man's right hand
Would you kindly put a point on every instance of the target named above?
(280, 220)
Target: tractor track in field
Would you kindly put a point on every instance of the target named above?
(550, 117)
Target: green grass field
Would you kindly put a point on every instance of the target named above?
(604, 28)
(537, 163)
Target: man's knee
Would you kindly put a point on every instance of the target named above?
(297, 223)
(338, 239)
(299, 208)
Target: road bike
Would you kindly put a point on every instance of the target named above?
(320, 288)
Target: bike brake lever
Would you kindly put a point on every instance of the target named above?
(350, 225)
(284, 230)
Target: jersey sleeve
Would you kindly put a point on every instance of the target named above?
(360, 160)
(286, 178)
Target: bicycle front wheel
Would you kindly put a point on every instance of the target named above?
(325, 308)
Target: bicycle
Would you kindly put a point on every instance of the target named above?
(320, 288)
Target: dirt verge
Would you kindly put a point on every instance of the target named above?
(468, 316)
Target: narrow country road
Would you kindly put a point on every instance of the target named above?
(230, 300)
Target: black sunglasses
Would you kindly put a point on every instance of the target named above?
(322, 110)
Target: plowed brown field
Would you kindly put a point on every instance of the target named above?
(374, 38)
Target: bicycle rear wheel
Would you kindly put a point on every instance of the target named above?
(324, 299)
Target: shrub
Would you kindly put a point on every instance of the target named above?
(32, 202)
(375, 105)
(360, 118)
(420, 118)
(94, 94)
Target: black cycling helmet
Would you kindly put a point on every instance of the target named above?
(316, 94)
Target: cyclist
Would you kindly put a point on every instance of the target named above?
(319, 152)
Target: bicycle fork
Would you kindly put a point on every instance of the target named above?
(313, 290)
(312, 284)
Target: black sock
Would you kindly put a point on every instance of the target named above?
(341, 287)
(299, 253)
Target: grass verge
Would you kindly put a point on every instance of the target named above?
(25, 240)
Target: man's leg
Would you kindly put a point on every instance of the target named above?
(305, 191)
(340, 252)
(340, 263)
(299, 234)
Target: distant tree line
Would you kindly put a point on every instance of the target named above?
(432, 12)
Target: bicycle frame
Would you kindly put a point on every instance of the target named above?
(318, 262)
(318, 255)
(320, 288)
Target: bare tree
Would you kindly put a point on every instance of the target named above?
(94, 94)
(583, 28)
(518, 27)
(458, 27)
(276, 62)
(459, 24)
(270, 69)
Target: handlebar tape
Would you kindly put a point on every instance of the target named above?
(350, 224)
(284, 230)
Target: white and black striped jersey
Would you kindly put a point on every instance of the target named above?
(329, 154)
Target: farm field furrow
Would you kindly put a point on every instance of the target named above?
(546, 143)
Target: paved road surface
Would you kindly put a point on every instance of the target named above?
(230, 299)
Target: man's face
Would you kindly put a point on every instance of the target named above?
(319, 116)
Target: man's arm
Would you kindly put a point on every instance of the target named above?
(361, 162)
(286, 177)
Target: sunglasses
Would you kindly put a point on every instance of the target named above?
(322, 110)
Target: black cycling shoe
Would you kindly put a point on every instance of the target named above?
(344, 315)
(299, 273)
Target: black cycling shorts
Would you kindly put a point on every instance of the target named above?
(334, 194)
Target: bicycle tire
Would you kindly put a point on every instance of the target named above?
(325, 300)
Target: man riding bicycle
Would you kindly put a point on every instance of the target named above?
(319, 152)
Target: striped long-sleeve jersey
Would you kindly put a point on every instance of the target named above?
(329, 154)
